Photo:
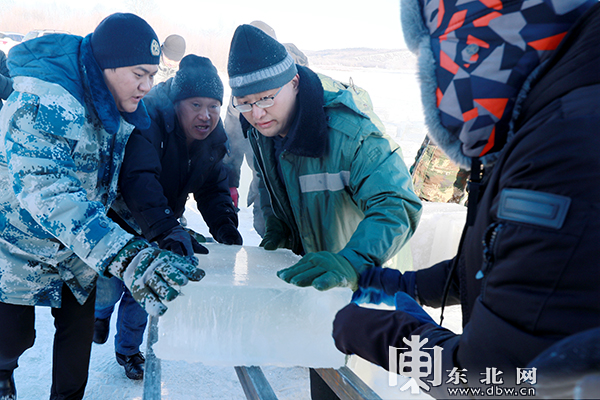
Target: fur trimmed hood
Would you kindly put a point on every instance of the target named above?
(474, 58)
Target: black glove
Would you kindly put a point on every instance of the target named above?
(181, 242)
(228, 234)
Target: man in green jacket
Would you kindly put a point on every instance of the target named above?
(335, 187)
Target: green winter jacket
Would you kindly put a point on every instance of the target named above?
(348, 189)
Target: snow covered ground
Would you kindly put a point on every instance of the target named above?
(396, 100)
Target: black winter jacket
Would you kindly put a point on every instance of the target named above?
(527, 276)
(159, 172)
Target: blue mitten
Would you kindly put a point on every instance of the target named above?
(408, 305)
(379, 285)
(371, 296)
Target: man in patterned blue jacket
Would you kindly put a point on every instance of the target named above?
(62, 136)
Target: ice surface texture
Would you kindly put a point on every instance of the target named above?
(241, 313)
(438, 234)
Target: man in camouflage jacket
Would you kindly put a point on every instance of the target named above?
(62, 136)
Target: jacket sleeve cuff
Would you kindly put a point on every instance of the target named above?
(105, 248)
(155, 221)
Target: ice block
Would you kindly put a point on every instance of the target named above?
(241, 313)
(438, 234)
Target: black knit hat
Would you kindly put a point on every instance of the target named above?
(123, 40)
(197, 77)
(257, 62)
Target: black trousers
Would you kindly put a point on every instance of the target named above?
(74, 329)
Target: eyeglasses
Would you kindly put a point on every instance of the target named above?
(262, 103)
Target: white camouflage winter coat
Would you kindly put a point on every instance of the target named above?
(61, 144)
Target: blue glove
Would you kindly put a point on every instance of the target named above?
(379, 285)
(407, 304)
(369, 333)
(371, 296)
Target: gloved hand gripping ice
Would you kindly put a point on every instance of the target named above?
(277, 234)
(153, 275)
(195, 235)
(228, 234)
(322, 270)
(180, 241)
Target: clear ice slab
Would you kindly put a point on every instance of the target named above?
(438, 234)
(241, 313)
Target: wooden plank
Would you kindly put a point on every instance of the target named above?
(152, 372)
(255, 384)
(346, 385)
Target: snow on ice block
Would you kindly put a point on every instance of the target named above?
(438, 233)
(241, 313)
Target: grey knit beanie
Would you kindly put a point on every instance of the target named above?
(173, 47)
(257, 62)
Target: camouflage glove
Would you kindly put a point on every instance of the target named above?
(277, 234)
(322, 270)
(153, 275)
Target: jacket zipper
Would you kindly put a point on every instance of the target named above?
(490, 239)
(270, 189)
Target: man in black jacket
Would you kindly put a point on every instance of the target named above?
(526, 274)
(181, 153)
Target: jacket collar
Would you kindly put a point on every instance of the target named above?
(160, 106)
(101, 97)
(308, 134)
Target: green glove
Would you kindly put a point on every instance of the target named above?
(153, 275)
(277, 234)
(322, 270)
